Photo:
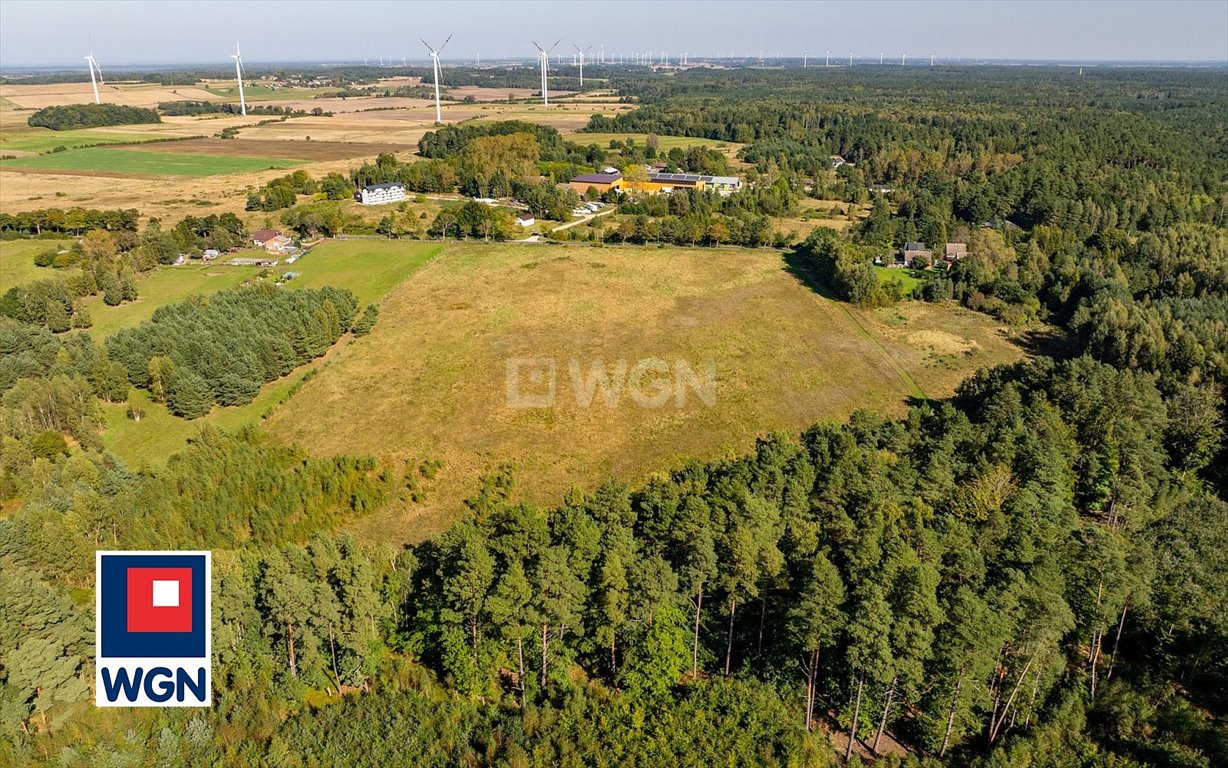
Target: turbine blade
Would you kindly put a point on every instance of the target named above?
(428, 46)
(543, 50)
(556, 44)
(445, 44)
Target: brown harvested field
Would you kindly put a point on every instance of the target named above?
(290, 150)
(482, 93)
(341, 106)
(167, 200)
(431, 380)
(39, 96)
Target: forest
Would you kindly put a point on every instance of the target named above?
(1031, 572)
(73, 116)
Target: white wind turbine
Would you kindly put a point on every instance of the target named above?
(435, 66)
(805, 57)
(581, 53)
(238, 57)
(543, 56)
(94, 65)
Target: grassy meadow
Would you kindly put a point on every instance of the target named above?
(430, 381)
(17, 261)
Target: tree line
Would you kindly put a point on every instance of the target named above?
(71, 117)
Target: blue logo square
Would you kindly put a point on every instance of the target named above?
(116, 641)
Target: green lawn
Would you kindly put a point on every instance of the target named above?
(911, 278)
(165, 286)
(44, 139)
(369, 268)
(17, 261)
(110, 160)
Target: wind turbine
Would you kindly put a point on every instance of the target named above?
(805, 57)
(581, 53)
(543, 56)
(827, 61)
(94, 65)
(435, 64)
(239, 76)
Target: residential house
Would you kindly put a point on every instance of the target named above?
(526, 220)
(911, 252)
(262, 236)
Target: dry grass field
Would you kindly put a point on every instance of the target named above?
(431, 380)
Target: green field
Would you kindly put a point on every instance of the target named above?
(430, 380)
(369, 268)
(105, 160)
(43, 139)
(666, 142)
(17, 261)
(265, 93)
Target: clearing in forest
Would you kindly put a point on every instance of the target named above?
(431, 381)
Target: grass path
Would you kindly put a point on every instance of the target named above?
(907, 377)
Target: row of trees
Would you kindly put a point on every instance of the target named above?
(74, 221)
(73, 116)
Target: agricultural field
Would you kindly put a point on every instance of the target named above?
(430, 382)
(17, 261)
(113, 161)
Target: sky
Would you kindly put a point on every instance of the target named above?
(50, 33)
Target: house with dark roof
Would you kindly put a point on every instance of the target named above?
(380, 194)
(262, 236)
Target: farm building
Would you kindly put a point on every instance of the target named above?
(380, 194)
(598, 182)
(955, 252)
(658, 182)
(526, 220)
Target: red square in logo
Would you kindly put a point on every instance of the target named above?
(159, 599)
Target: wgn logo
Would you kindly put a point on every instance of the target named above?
(152, 629)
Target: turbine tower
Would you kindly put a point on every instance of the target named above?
(239, 76)
(435, 65)
(581, 53)
(805, 57)
(543, 56)
(94, 65)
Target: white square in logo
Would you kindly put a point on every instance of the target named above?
(165, 594)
